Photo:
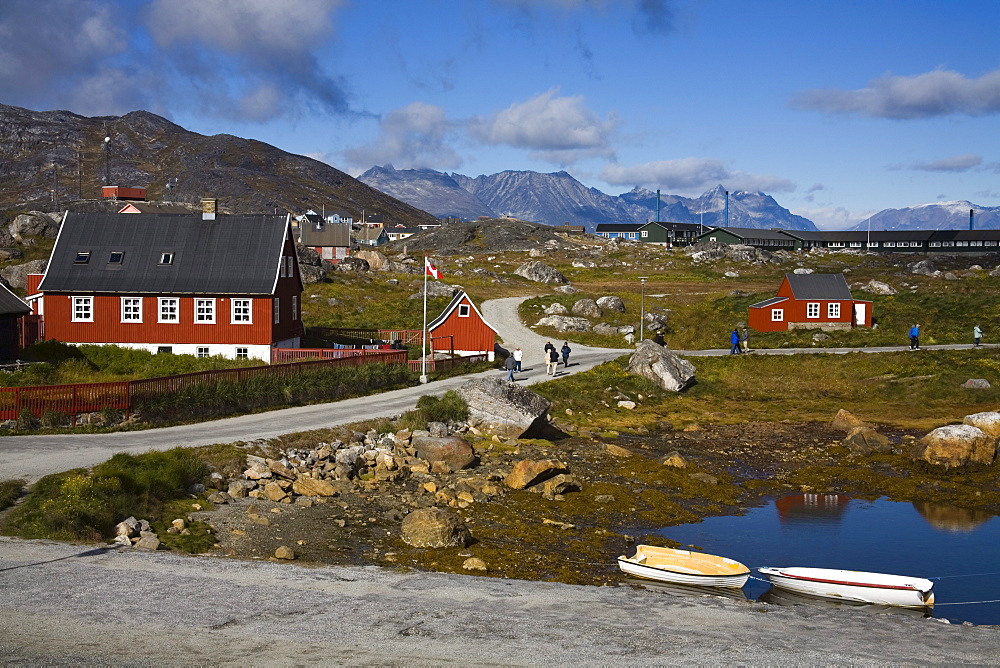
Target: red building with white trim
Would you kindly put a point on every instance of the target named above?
(199, 284)
(810, 301)
(463, 321)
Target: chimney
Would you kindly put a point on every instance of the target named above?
(208, 208)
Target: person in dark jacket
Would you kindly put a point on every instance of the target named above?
(736, 346)
(551, 361)
(565, 350)
(510, 365)
(658, 339)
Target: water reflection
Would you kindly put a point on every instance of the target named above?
(812, 507)
(687, 590)
(776, 596)
(951, 518)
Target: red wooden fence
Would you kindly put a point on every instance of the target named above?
(122, 395)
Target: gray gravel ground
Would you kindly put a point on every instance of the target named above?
(66, 604)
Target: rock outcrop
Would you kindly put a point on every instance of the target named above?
(505, 409)
(956, 445)
(565, 323)
(540, 273)
(662, 365)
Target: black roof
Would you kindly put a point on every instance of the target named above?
(673, 226)
(748, 233)
(228, 255)
(768, 302)
(325, 234)
(11, 304)
(819, 286)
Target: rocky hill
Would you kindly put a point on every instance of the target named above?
(52, 158)
(556, 198)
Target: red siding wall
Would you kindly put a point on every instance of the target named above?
(471, 333)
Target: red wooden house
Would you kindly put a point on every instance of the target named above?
(810, 301)
(199, 284)
(472, 335)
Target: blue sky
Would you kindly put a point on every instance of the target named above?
(837, 109)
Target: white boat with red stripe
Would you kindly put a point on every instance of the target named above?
(878, 588)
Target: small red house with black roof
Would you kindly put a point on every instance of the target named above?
(462, 320)
(198, 284)
(810, 301)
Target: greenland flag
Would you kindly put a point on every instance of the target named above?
(430, 269)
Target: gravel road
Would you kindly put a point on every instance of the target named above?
(66, 604)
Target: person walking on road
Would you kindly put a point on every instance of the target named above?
(977, 335)
(551, 361)
(734, 343)
(746, 340)
(518, 354)
(510, 365)
(565, 350)
(548, 348)
(915, 337)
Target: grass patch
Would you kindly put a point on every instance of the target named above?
(10, 492)
(77, 505)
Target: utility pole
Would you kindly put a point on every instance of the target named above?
(107, 158)
(642, 309)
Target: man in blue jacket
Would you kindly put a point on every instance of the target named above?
(734, 341)
(915, 337)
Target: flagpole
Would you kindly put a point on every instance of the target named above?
(423, 345)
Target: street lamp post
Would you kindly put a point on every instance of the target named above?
(642, 308)
(107, 160)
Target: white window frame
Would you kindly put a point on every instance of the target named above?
(645, 233)
(464, 311)
(777, 315)
(290, 268)
(295, 307)
(167, 302)
(833, 310)
(236, 314)
(204, 311)
(855, 244)
(82, 309)
(242, 353)
(812, 310)
(277, 310)
(131, 306)
(202, 351)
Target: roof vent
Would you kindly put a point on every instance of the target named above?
(208, 208)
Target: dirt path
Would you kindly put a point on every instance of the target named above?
(68, 604)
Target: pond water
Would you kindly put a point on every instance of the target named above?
(959, 546)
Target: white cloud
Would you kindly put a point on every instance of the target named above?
(691, 175)
(958, 163)
(412, 137)
(936, 93)
(832, 217)
(556, 129)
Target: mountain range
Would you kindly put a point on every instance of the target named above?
(938, 216)
(557, 197)
(55, 159)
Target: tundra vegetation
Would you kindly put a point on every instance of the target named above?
(757, 426)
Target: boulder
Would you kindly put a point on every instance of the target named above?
(977, 384)
(540, 273)
(802, 271)
(313, 487)
(33, 224)
(560, 484)
(662, 365)
(352, 263)
(454, 451)
(474, 564)
(435, 527)
(874, 287)
(587, 308)
(16, 275)
(149, 541)
(274, 492)
(956, 445)
(506, 409)
(284, 553)
(674, 459)
(923, 267)
(846, 421)
(570, 290)
(564, 323)
(655, 321)
(529, 472)
(605, 329)
(376, 261)
(865, 440)
(612, 303)
(988, 422)
(311, 273)
(435, 289)
(556, 309)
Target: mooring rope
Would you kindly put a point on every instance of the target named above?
(994, 600)
(970, 575)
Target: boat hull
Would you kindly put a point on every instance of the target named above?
(876, 588)
(663, 575)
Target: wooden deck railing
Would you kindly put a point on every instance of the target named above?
(123, 395)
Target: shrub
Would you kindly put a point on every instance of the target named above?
(78, 506)
(53, 352)
(450, 407)
(51, 418)
(10, 491)
(25, 420)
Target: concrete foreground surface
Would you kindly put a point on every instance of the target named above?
(70, 604)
